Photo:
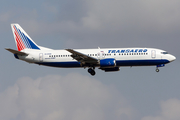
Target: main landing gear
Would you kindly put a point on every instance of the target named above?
(91, 71)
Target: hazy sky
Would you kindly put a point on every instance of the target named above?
(29, 91)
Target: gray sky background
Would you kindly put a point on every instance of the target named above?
(29, 91)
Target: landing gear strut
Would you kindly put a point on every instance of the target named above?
(91, 71)
(161, 65)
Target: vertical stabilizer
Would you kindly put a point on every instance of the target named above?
(22, 39)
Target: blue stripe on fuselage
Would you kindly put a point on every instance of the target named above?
(61, 64)
(140, 62)
(118, 63)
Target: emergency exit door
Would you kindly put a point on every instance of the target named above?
(101, 55)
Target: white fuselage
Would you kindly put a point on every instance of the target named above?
(123, 57)
(109, 59)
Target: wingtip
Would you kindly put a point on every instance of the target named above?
(6, 48)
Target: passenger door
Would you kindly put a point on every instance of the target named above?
(40, 57)
(153, 54)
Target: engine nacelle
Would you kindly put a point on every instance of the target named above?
(108, 63)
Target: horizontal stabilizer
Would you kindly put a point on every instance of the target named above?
(16, 52)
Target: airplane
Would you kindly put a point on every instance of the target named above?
(106, 59)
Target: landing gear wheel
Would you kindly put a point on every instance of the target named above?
(157, 70)
(91, 71)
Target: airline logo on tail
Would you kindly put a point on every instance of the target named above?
(23, 41)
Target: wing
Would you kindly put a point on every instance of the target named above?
(16, 52)
(80, 57)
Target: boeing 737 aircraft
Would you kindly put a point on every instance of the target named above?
(109, 59)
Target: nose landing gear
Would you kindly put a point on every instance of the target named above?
(157, 70)
(91, 71)
(161, 65)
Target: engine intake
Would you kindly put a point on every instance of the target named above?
(108, 63)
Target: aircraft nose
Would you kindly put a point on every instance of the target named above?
(172, 58)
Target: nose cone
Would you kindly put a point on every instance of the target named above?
(172, 58)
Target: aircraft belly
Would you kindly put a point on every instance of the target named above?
(61, 64)
(140, 62)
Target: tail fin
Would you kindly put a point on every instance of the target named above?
(22, 39)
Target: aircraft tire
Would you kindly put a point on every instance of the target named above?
(157, 70)
(93, 73)
(90, 70)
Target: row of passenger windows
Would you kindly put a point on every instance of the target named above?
(102, 54)
(120, 54)
(59, 56)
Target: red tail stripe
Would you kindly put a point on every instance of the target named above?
(19, 42)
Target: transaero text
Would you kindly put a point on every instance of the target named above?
(127, 51)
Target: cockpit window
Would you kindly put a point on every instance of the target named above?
(164, 52)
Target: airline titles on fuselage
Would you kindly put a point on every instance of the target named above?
(127, 51)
